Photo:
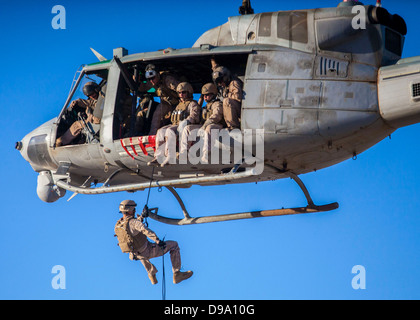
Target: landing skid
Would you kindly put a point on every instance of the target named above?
(188, 220)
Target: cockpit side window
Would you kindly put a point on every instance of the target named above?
(264, 29)
(80, 121)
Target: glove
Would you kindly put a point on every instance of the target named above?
(145, 212)
(162, 244)
(182, 125)
(82, 115)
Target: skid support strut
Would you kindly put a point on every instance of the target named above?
(302, 187)
(188, 220)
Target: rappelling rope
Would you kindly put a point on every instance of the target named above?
(163, 272)
(146, 211)
(150, 186)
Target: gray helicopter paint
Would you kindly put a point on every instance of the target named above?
(313, 91)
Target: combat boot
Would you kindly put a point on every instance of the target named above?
(167, 161)
(181, 276)
(153, 278)
(154, 162)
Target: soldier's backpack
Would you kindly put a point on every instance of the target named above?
(125, 240)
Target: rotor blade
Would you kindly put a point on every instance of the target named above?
(98, 55)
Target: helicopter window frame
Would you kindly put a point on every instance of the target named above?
(293, 26)
(65, 120)
(194, 68)
(101, 81)
(76, 86)
(264, 25)
(393, 42)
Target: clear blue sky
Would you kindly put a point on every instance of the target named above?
(292, 257)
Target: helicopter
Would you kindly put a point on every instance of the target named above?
(316, 91)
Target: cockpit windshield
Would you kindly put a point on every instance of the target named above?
(79, 121)
(78, 94)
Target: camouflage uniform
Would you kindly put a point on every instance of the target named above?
(77, 126)
(166, 90)
(170, 133)
(231, 96)
(151, 250)
(232, 99)
(213, 119)
(132, 238)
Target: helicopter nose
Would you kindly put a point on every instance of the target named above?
(18, 145)
(399, 92)
(22, 147)
(34, 148)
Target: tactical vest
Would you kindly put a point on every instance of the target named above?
(207, 111)
(181, 112)
(126, 241)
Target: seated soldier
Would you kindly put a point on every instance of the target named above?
(165, 85)
(92, 91)
(231, 94)
(213, 120)
(144, 114)
(186, 112)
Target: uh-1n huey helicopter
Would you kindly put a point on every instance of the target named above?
(318, 89)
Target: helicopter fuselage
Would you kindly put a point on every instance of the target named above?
(317, 91)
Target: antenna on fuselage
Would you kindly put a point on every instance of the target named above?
(246, 8)
(98, 55)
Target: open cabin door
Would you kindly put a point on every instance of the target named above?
(129, 131)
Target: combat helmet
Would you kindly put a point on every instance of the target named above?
(209, 88)
(127, 206)
(221, 74)
(90, 88)
(185, 86)
(151, 71)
